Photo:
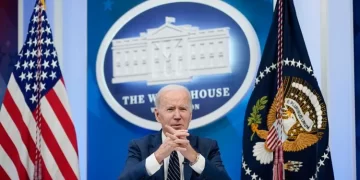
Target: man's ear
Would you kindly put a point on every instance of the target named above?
(156, 113)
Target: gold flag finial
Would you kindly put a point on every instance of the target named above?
(43, 3)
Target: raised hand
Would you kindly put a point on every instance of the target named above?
(177, 136)
(171, 145)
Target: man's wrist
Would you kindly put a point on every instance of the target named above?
(152, 165)
(158, 159)
(195, 159)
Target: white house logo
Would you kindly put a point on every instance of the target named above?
(208, 46)
(171, 54)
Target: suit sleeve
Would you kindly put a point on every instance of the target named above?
(214, 168)
(134, 167)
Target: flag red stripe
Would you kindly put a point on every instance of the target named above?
(62, 114)
(270, 146)
(10, 149)
(3, 174)
(273, 145)
(272, 134)
(45, 173)
(56, 151)
(18, 120)
(271, 137)
(16, 117)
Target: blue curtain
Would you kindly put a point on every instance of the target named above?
(356, 15)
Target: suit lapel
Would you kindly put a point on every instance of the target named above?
(187, 169)
(153, 146)
(155, 142)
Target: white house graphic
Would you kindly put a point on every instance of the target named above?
(171, 54)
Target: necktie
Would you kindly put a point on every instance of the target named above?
(174, 167)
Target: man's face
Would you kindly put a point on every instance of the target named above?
(174, 109)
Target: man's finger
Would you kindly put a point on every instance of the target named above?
(173, 144)
(177, 135)
(180, 149)
(180, 134)
(170, 136)
(171, 130)
(182, 141)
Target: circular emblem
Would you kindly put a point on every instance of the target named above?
(207, 46)
(303, 115)
(303, 119)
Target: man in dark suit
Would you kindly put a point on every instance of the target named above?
(172, 153)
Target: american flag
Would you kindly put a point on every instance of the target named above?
(37, 135)
(274, 138)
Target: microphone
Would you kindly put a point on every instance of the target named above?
(185, 162)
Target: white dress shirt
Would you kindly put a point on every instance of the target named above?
(152, 165)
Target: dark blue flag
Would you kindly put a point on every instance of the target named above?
(286, 130)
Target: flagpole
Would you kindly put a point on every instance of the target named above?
(38, 171)
(58, 30)
(20, 24)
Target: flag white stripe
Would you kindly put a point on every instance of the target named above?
(14, 134)
(29, 120)
(50, 163)
(8, 166)
(19, 100)
(60, 90)
(59, 134)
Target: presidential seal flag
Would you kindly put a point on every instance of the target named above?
(286, 129)
(37, 135)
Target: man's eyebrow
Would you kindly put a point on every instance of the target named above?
(184, 106)
(168, 106)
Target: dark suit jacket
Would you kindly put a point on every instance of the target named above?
(141, 148)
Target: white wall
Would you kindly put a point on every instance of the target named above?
(340, 87)
(75, 69)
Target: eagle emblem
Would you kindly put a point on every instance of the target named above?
(303, 118)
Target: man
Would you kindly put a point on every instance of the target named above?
(173, 154)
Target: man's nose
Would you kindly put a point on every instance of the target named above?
(177, 114)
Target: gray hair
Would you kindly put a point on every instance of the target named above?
(169, 88)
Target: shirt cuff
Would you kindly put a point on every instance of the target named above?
(152, 165)
(199, 165)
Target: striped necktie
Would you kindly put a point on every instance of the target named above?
(174, 167)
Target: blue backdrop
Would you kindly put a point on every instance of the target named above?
(8, 41)
(109, 134)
